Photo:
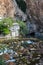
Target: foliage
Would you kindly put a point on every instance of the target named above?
(5, 24)
(2, 62)
(23, 28)
(7, 21)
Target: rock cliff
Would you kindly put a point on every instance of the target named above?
(35, 12)
(30, 11)
(6, 8)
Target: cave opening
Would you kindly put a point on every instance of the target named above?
(22, 5)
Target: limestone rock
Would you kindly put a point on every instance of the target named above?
(6, 8)
(35, 12)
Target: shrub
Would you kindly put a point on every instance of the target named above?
(2, 62)
(23, 28)
(5, 24)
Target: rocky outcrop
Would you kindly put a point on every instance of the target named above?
(6, 8)
(9, 8)
(35, 12)
(19, 14)
(33, 15)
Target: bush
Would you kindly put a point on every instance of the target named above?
(23, 28)
(2, 62)
(5, 24)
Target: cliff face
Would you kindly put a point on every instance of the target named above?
(9, 8)
(35, 12)
(6, 8)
